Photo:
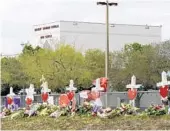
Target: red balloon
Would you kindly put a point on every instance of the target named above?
(63, 100)
(9, 100)
(132, 94)
(103, 83)
(28, 101)
(163, 91)
(44, 96)
(70, 95)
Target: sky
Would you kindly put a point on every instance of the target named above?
(19, 16)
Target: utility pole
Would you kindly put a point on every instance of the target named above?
(107, 3)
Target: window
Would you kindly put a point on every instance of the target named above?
(47, 27)
(37, 29)
(54, 26)
(42, 37)
(48, 36)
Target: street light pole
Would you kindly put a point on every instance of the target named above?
(107, 41)
(107, 3)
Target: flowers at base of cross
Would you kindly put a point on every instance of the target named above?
(127, 109)
(124, 109)
(156, 110)
(104, 113)
(85, 109)
(2, 115)
(5, 112)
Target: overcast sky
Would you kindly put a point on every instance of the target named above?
(19, 16)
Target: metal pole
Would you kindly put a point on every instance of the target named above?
(107, 48)
(107, 40)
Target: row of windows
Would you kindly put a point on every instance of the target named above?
(46, 28)
(47, 36)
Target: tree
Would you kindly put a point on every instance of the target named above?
(95, 62)
(12, 74)
(57, 66)
(143, 61)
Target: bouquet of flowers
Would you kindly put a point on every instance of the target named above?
(124, 109)
(45, 110)
(6, 112)
(156, 110)
(85, 109)
(18, 114)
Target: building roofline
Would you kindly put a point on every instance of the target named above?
(46, 23)
(112, 23)
(99, 23)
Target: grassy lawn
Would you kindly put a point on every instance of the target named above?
(87, 123)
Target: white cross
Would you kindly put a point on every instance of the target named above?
(133, 86)
(11, 93)
(45, 87)
(30, 92)
(164, 81)
(98, 87)
(133, 83)
(42, 79)
(71, 86)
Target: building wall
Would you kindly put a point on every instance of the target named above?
(86, 35)
(47, 35)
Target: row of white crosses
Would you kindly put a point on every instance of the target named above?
(30, 91)
(161, 84)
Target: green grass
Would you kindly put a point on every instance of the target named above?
(88, 123)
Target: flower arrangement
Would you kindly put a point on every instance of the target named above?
(86, 109)
(124, 109)
(156, 110)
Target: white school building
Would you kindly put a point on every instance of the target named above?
(89, 35)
